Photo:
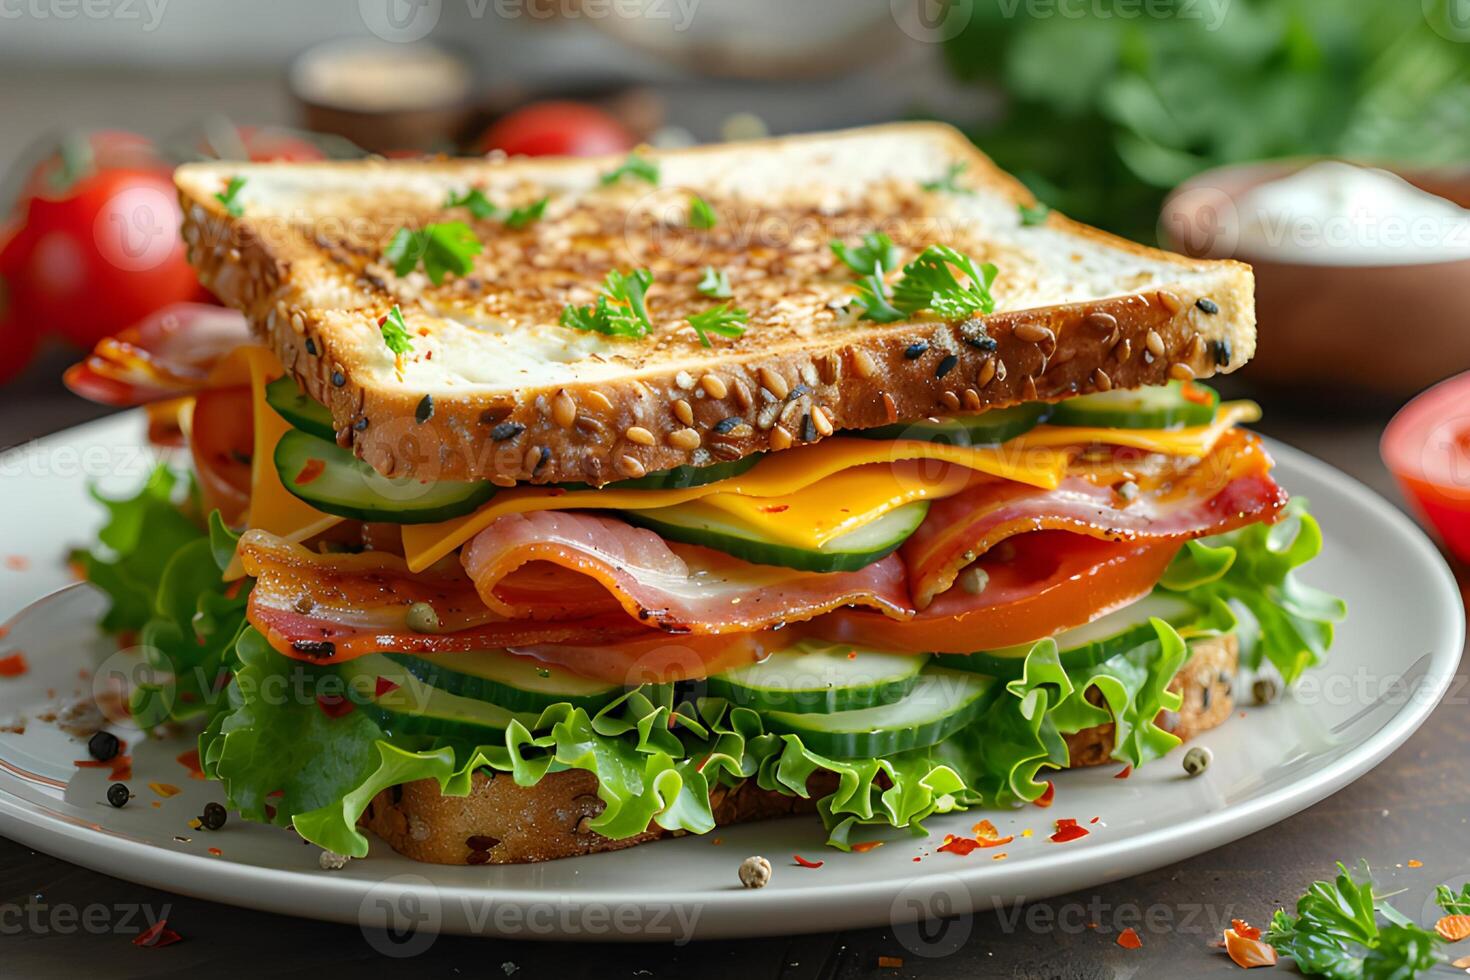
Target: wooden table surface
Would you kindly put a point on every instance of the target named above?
(1415, 806)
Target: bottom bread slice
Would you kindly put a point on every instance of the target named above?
(500, 822)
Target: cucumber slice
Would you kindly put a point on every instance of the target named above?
(815, 677)
(300, 409)
(941, 703)
(504, 679)
(678, 478)
(405, 705)
(348, 487)
(977, 429)
(1155, 407)
(694, 523)
(1091, 643)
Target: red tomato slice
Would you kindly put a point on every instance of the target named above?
(1047, 581)
(557, 129)
(1427, 447)
(221, 437)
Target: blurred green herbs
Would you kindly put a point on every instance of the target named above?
(1110, 103)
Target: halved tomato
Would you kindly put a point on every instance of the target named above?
(222, 438)
(1044, 582)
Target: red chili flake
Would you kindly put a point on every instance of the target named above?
(1128, 939)
(1453, 928)
(383, 686)
(998, 857)
(1247, 953)
(14, 665)
(1416, 864)
(157, 936)
(1047, 795)
(216, 852)
(803, 862)
(917, 860)
(1244, 929)
(4, 632)
(863, 847)
(890, 962)
(190, 761)
(312, 469)
(958, 845)
(985, 830)
(1197, 395)
(852, 655)
(774, 508)
(333, 705)
(1068, 830)
(1094, 820)
(17, 563)
(165, 790)
(1123, 773)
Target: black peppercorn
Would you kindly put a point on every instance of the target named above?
(103, 746)
(118, 795)
(213, 817)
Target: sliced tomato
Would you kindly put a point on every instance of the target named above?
(1039, 584)
(221, 437)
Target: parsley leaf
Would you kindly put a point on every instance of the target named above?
(1033, 214)
(475, 200)
(228, 195)
(929, 284)
(876, 249)
(721, 320)
(1453, 904)
(715, 284)
(395, 333)
(447, 247)
(873, 298)
(522, 216)
(1335, 934)
(701, 215)
(947, 182)
(638, 167)
(619, 311)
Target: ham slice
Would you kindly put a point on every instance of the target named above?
(169, 354)
(677, 588)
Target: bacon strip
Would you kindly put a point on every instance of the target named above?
(1178, 499)
(675, 587)
(169, 354)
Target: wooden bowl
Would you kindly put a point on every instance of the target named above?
(1386, 330)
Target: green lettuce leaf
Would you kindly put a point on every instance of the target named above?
(1282, 619)
(140, 538)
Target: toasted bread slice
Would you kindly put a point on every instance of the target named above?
(496, 389)
(502, 823)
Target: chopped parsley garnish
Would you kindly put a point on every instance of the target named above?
(395, 333)
(715, 284)
(1451, 903)
(876, 249)
(638, 167)
(475, 200)
(228, 195)
(928, 283)
(873, 300)
(522, 216)
(619, 310)
(947, 182)
(1033, 214)
(701, 215)
(1336, 934)
(721, 320)
(483, 208)
(442, 248)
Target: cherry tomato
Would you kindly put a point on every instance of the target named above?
(1048, 581)
(261, 144)
(102, 257)
(557, 129)
(80, 155)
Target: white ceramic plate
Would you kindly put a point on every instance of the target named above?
(1393, 661)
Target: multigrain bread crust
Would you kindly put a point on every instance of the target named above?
(502, 823)
(496, 390)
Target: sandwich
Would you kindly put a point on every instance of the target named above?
(542, 507)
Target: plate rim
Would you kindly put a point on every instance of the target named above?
(339, 897)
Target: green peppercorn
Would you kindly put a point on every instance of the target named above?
(118, 795)
(1197, 760)
(1264, 690)
(422, 618)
